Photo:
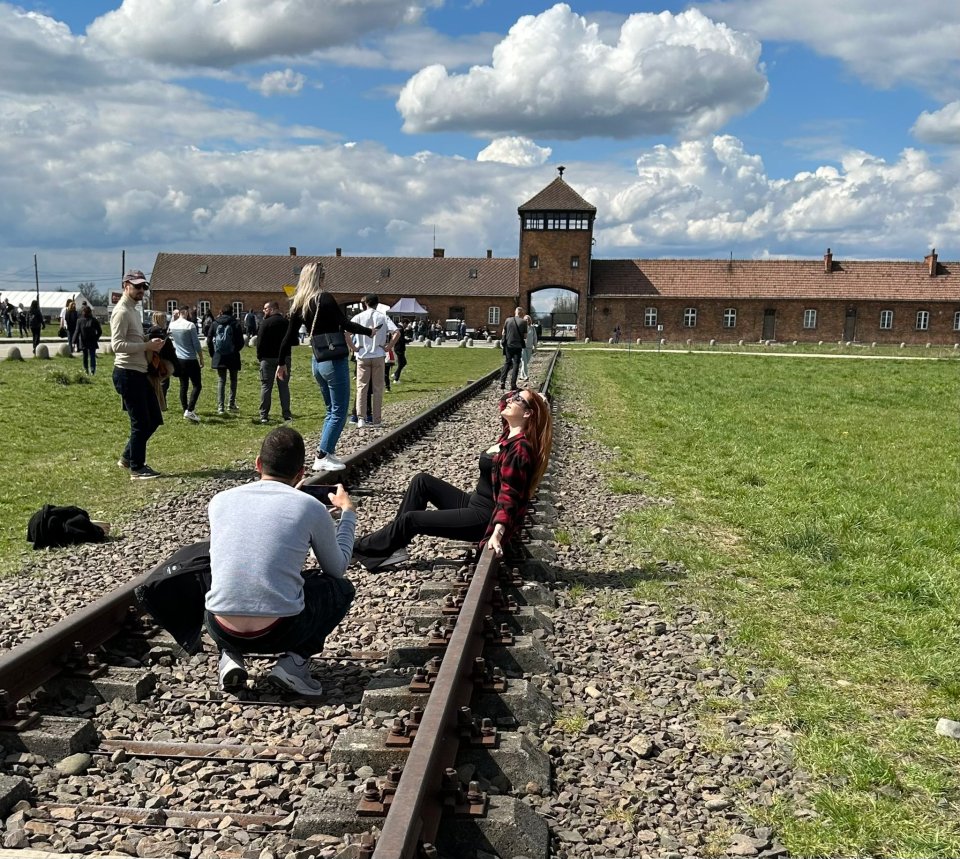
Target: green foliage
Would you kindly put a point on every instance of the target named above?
(571, 720)
(815, 506)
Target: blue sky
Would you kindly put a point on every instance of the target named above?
(752, 127)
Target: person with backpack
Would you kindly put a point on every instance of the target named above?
(224, 343)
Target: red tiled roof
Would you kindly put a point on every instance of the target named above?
(784, 279)
(345, 275)
(557, 196)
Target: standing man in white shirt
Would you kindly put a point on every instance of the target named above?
(371, 352)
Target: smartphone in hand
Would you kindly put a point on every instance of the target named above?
(320, 491)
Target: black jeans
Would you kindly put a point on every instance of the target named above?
(141, 406)
(190, 374)
(459, 516)
(326, 601)
(401, 363)
(511, 365)
(268, 375)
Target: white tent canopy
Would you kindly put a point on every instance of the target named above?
(51, 303)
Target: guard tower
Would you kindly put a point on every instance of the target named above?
(556, 241)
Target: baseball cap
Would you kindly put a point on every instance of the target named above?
(135, 276)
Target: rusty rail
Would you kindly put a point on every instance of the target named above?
(418, 803)
(31, 664)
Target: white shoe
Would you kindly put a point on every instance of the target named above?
(191, 416)
(328, 463)
(233, 671)
(361, 423)
(292, 672)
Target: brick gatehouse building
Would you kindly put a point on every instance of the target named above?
(692, 299)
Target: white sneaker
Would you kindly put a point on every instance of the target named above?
(328, 463)
(191, 416)
(292, 672)
(233, 671)
(361, 423)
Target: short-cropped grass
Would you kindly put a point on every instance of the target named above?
(61, 440)
(816, 506)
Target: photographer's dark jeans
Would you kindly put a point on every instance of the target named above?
(140, 403)
(326, 601)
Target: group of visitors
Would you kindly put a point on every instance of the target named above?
(260, 599)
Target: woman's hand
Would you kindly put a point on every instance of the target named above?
(493, 544)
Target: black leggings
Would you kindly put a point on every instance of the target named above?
(459, 516)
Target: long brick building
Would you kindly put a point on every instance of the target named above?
(648, 299)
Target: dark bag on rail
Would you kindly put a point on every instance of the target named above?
(174, 593)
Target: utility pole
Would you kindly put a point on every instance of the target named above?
(36, 278)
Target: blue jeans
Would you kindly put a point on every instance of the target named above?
(140, 403)
(333, 377)
(90, 359)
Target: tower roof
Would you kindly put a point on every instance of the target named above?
(557, 196)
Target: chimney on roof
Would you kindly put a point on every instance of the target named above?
(828, 261)
(438, 253)
(931, 261)
(339, 252)
(293, 251)
(489, 254)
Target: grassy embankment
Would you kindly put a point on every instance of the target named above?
(817, 508)
(60, 443)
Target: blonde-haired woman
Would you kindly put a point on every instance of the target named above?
(316, 309)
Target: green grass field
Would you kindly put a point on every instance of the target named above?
(817, 508)
(60, 443)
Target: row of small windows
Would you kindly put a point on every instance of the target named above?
(921, 322)
(556, 221)
(535, 261)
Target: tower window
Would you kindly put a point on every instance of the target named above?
(533, 222)
(534, 261)
(574, 262)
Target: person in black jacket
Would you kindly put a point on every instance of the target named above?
(71, 317)
(269, 340)
(36, 323)
(224, 343)
(514, 339)
(321, 314)
(86, 339)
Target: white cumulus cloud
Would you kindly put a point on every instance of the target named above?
(221, 34)
(884, 43)
(519, 151)
(940, 126)
(553, 75)
(286, 82)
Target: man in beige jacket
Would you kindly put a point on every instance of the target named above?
(131, 352)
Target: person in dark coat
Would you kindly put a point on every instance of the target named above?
(71, 317)
(36, 323)
(87, 338)
(271, 334)
(225, 355)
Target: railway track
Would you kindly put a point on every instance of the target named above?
(428, 762)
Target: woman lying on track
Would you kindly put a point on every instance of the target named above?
(493, 513)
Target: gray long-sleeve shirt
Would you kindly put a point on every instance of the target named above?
(260, 534)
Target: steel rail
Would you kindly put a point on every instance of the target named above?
(416, 807)
(33, 662)
(415, 811)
